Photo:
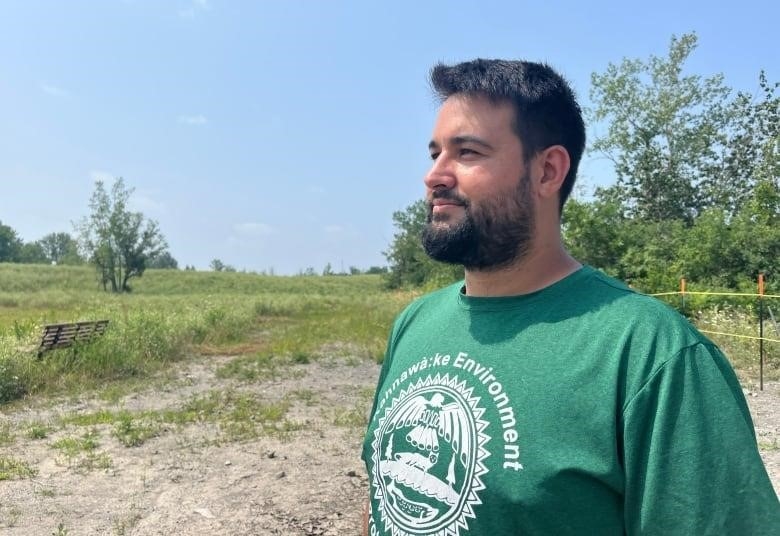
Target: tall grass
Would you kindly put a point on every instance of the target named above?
(173, 314)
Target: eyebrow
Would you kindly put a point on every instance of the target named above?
(462, 140)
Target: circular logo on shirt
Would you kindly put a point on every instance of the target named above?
(428, 453)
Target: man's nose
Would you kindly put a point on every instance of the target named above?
(441, 174)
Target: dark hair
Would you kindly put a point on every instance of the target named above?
(546, 110)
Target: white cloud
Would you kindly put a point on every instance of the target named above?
(254, 229)
(53, 90)
(193, 119)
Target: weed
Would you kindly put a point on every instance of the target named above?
(80, 453)
(765, 446)
(125, 525)
(133, 434)
(301, 358)
(12, 517)
(102, 416)
(13, 468)
(350, 417)
(38, 431)
(306, 396)
(7, 436)
(262, 366)
(11, 385)
(45, 492)
(61, 530)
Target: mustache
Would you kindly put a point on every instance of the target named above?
(449, 195)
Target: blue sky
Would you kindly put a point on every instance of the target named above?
(283, 134)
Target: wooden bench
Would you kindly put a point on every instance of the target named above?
(65, 335)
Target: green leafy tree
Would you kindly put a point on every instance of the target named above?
(32, 253)
(665, 131)
(60, 248)
(752, 154)
(10, 244)
(118, 241)
(217, 265)
(163, 261)
(596, 232)
(697, 189)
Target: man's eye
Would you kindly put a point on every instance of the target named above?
(434, 156)
(468, 152)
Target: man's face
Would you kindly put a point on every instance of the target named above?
(480, 209)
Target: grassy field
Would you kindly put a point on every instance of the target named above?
(171, 314)
(266, 320)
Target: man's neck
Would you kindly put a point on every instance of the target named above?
(540, 268)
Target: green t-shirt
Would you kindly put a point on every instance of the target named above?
(583, 408)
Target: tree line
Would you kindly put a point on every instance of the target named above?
(697, 190)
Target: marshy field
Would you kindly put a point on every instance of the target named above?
(218, 403)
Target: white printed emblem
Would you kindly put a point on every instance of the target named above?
(428, 453)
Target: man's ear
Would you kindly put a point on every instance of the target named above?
(554, 162)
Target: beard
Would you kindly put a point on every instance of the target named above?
(491, 235)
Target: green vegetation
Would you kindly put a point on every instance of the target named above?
(12, 468)
(38, 431)
(6, 435)
(133, 433)
(267, 320)
(81, 453)
(117, 241)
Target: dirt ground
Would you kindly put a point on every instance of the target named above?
(312, 483)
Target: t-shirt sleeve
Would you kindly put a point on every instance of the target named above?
(691, 461)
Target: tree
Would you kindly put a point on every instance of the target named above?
(409, 264)
(117, 241)
(697, 194)
(60, 248)
(163, 261)
(217, 265)
(666, 131)
(32, 253)
(10, 244)
(752, 153)
(596, 232)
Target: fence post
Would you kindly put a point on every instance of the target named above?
(682, 294)
(761, 330)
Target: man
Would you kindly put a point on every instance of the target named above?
(540, 396)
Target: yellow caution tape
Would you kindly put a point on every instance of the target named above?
(718, 294)
(741, 336)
